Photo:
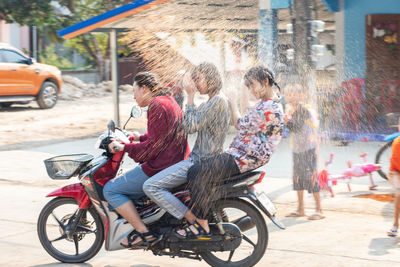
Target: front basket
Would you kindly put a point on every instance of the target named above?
(66, 166)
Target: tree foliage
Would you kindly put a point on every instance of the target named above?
(15, 11)
(50, 56)
(50, 16)
(54, 14)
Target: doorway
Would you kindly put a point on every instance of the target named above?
(383, 65)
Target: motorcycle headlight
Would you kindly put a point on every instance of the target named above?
(101, 138)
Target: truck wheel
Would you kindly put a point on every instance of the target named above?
(48, 95)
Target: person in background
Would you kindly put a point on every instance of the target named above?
(302, 122)
(394, 178)
(164, 144)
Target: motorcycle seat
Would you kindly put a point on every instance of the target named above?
(246, 178)
(242, 176)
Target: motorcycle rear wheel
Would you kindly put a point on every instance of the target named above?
(232, 210)
(53, 220)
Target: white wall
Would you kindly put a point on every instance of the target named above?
(14, 34)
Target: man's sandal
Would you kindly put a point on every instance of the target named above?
(146, 240)
(202, 234)
(392, 232)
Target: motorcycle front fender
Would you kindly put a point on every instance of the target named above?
(259, 205)
(73, 191)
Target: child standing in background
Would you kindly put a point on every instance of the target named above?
(394, 178)
(302, 123)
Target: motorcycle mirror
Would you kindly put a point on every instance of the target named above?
(136, 112)
(111, 126)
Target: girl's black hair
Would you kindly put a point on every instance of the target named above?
(260, 74)
(211, 75)
(151, 81)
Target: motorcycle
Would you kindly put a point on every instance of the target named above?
(73, 226)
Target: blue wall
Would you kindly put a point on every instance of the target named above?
(331, 5)
(354, 31)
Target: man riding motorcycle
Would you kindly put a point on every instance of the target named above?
(163, 145)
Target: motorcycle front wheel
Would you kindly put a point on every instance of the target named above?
(81, 245)
(254, 235)
(383, 158)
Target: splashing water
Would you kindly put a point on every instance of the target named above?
(161, 34)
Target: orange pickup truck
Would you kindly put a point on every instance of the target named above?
(23, 80)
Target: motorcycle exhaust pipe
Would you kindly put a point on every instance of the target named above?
(245, 223)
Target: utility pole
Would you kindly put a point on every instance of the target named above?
(302, 41)
(114, 73)
(34, 42)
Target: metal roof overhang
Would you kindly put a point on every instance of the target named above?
(189, 15)
(98, 23)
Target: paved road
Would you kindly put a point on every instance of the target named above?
(353, 234)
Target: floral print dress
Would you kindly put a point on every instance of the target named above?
(260, 131)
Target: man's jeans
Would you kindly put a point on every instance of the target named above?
(125, 188)
(158, 185)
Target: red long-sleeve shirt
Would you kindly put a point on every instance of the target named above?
(165, 142)
(395, 159)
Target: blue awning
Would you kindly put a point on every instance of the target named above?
(332, 5)
(108, 17)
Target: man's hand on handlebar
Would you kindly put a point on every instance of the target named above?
(134, 136)
(115, 147)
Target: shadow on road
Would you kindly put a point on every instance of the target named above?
(61, 264)
(18, 109)
(288, 222)
(380, 246)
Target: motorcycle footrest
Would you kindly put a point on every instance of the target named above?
(180, 254)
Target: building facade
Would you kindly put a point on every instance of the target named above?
(16, 35)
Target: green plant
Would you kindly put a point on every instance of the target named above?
(49, 56)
